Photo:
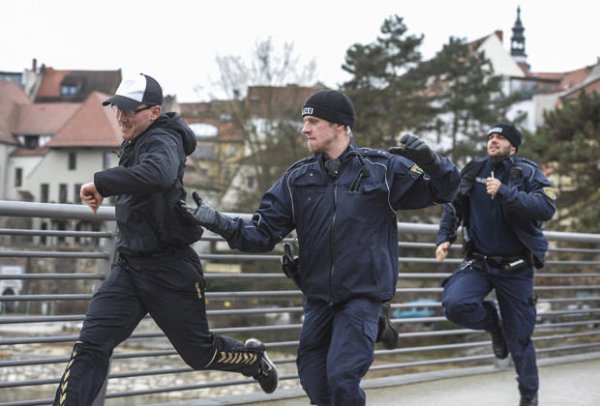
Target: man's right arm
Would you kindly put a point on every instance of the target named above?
(449, 222)
(444, 177)
(268, 226)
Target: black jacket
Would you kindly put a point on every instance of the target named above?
(347, 227)
(527, 200)
(147, 184)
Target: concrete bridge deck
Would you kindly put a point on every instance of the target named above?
(567, 381)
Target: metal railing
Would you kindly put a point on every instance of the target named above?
(248, 295)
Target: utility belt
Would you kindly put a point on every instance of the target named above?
(505, 263)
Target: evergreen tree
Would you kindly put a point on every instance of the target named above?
(467, 97)
(570, 140)
(385, 86)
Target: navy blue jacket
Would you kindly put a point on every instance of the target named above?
(527, 200)
(148, 184)
(347, 227)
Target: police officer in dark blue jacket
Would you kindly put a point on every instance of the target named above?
(156, 272)
(342, 202)
(502, 202)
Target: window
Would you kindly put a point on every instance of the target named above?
(18, 177)
(44, 192)
(68, 90)
(62, 193)
(32, 141)
(72, 161)
(76, 190)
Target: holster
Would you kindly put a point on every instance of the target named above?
(289, 264)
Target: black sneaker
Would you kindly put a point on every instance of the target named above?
(386, 334)
(267, 373)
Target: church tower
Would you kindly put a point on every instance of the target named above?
(517, 41)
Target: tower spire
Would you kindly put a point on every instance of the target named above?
(517, 41)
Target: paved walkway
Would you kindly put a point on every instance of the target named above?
(573, 383)
(568, 384)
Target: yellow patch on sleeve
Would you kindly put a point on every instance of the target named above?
(417, 169)
(550, 192)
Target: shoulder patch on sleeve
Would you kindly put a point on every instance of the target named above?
(550, 192)
(417, 169)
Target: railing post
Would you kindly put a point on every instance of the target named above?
(105, 268)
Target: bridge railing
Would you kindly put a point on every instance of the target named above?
(50, 275)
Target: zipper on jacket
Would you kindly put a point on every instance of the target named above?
(331, 243)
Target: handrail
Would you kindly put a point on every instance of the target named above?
(40, 321)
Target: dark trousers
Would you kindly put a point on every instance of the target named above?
(336, 349)
(171, 289)
(463, 301)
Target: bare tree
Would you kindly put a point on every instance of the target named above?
(264, 98)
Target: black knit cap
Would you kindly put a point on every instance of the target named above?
(509, 131)
(330, 105)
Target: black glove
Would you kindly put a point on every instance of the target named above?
(204, 215)
(419, 152)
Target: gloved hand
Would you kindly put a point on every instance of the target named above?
(419, 152)
(204, 215)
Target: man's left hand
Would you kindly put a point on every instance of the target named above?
(492, 185)
(90, 196)
(419, 152)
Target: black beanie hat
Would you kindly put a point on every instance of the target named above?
(330, 105)
(509, 132)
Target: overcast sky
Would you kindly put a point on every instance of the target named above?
(177, 41)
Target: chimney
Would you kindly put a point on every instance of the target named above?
(34, 65)
(500, 35)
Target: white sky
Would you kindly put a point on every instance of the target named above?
(177, 41)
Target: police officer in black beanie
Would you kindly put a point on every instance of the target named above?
(502, 202)
(342, 201)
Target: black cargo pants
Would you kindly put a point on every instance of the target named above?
(171, 289)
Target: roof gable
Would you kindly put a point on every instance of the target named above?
(91, 126)
(43, 118)
(11, 98)
(501, 60)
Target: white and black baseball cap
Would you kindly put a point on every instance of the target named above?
(135, 91)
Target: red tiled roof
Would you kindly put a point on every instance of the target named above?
(589, 86)
(85, 81)
(574, 78)
(11, 97)
(50, 83)
(93, 125)
(565, 80)
(44, 118)
(40, 151)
